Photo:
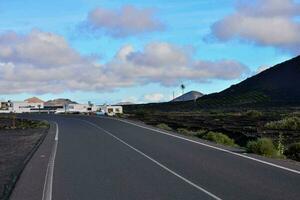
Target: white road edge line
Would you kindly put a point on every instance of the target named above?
(156, 162)
(47, 190)
(210, 146)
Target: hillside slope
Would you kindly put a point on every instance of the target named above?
(189, 96)
(278, 85)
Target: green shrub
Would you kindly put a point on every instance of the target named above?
(293, 151)
(254, 114)
(288, 123)
(42, 124)
(200, 133)
(164, 126)
(184, 131)
(262, 146)
(219, 138)
(25, 124)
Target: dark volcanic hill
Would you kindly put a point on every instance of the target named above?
(278, 85)
(189, 96)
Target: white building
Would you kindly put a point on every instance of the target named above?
(94, 108)
(20, 107)
(82, 108)
(35, 105)
(111, 110)
(5, 107)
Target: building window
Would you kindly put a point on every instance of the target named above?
(110, 110)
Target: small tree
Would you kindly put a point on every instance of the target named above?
(182, 86)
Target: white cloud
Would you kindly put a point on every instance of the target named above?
(40, 62)
(154, 97)
(131, 99)
(264, 22)
(167, 64)
(126, 21)
(160, 54)
(37, 48)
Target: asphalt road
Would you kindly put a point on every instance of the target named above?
(103, 158)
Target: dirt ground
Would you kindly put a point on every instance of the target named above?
(16, 146)
(237, 126)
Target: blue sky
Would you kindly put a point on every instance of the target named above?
(185, 25)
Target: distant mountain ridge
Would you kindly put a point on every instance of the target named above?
(34, 100)
(59, 102)
(189, 96)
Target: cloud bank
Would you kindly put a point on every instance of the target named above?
(41, 62)
(166, 64)
(154, 97)
(126, 21)
(264, 22)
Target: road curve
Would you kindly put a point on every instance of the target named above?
(102, 158)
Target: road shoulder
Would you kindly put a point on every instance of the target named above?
(31, 182)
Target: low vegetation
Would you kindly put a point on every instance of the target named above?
(11, 122)
(164, 127)
(293, 151)
(254, 114)
(263, 146)
(23, 124)
(198, 133)
(219, 138)
(216, 137)
(288, 123)
(184, 131)
(280, 125)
